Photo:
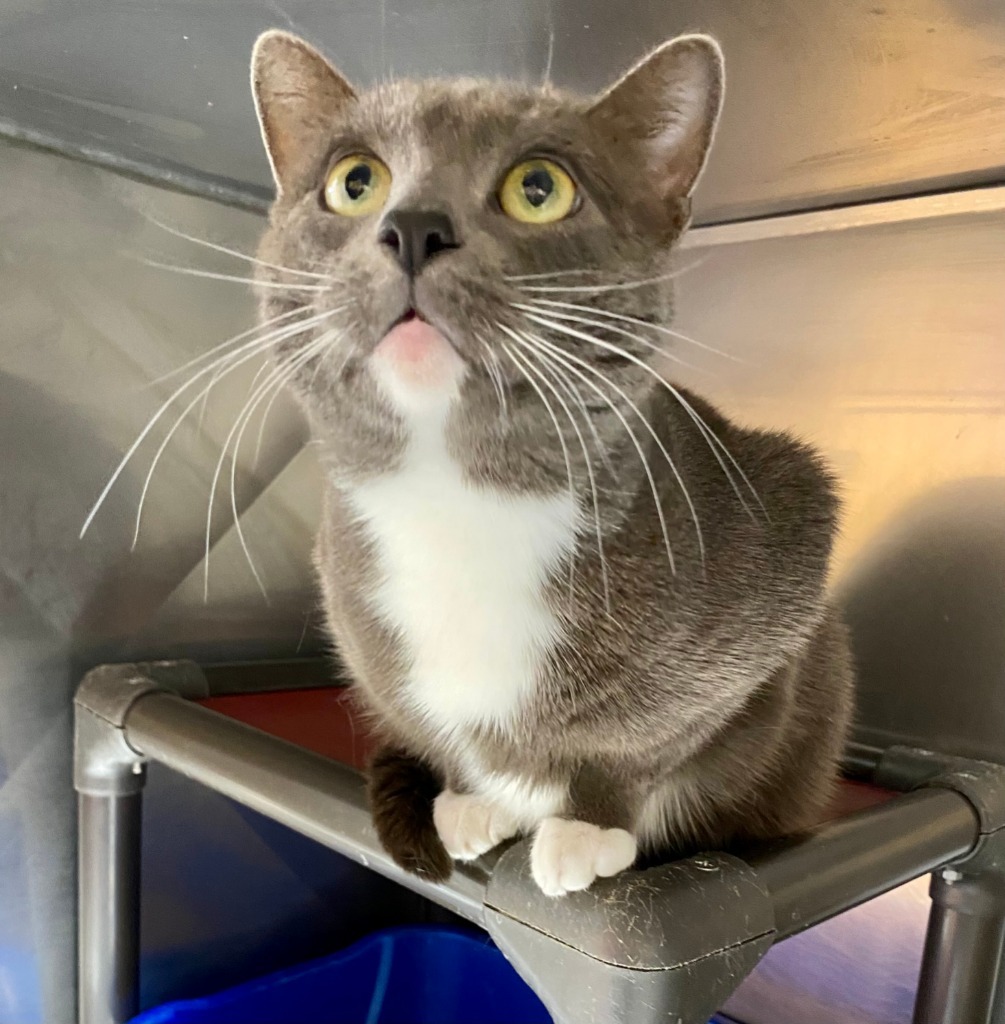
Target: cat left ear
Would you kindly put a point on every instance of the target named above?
(298, 96)
(668, 105)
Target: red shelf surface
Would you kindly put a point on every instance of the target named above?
(324, 720)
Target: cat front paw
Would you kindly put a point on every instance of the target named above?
(469, 826)
(568, 856)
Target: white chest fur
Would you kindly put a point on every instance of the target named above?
(463, 571)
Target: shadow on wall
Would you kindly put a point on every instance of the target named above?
(926, 604)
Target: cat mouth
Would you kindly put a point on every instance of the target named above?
(410, 314)
(414, 315)
(415, 360)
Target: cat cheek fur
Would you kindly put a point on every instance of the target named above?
(579, 602)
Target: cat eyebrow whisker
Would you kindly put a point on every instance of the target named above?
(618, 286)
(624, 318)
(571, 362)
(248, 349)
(236, 253)
(212, 275)
(714, 443)
(526, 371)
(539, 363)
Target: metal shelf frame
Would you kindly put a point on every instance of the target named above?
(668, 943)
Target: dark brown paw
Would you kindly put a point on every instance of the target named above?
(427, 859)
(402, 791)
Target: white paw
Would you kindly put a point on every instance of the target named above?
(470, 826)
(568, 855)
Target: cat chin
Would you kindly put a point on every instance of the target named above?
(417, 367)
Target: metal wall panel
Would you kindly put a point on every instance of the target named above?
(828, 102)
(85, 328)
(879, 334)
(885, 344)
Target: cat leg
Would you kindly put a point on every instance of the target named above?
(402, 790)
(593, 839)
(470, 825)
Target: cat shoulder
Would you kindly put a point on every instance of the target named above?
(780, 476)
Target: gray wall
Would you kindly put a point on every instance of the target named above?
(84, 328)
(830, 100)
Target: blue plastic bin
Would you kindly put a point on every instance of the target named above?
(416, 975)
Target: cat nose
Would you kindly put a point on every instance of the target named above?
(416, 236)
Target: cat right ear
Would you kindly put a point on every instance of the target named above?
(298, 95)
(666, 109)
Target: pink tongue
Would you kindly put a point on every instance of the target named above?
(415, 356)
(412, 341)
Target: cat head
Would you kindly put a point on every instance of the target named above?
(436, 236)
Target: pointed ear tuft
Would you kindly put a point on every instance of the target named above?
(668, 105)
(298, 96)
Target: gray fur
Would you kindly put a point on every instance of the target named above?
(713, 695)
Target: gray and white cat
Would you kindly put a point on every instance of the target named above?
(575, 600)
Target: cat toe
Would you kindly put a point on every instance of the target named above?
(568, 856)
(469, 826)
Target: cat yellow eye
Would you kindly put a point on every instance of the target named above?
(357, 185)
(537, 192)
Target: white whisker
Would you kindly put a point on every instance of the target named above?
(212, 275)
(576, 396)
(275, 383)
(577, 318)
(327, 336)
(494, 370)
(539, 370)
(236, 253)
(229, 363)
(220, 370)
(570, 361)
(624, 318)
(318, 318)
(710, 437)
(248, 408)
(167, 440)
(520, 364)
(151, 423)
(216, 376)
(262, 424)
(618, 286)
(224, 344)
(553, 273)
(310, 386)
